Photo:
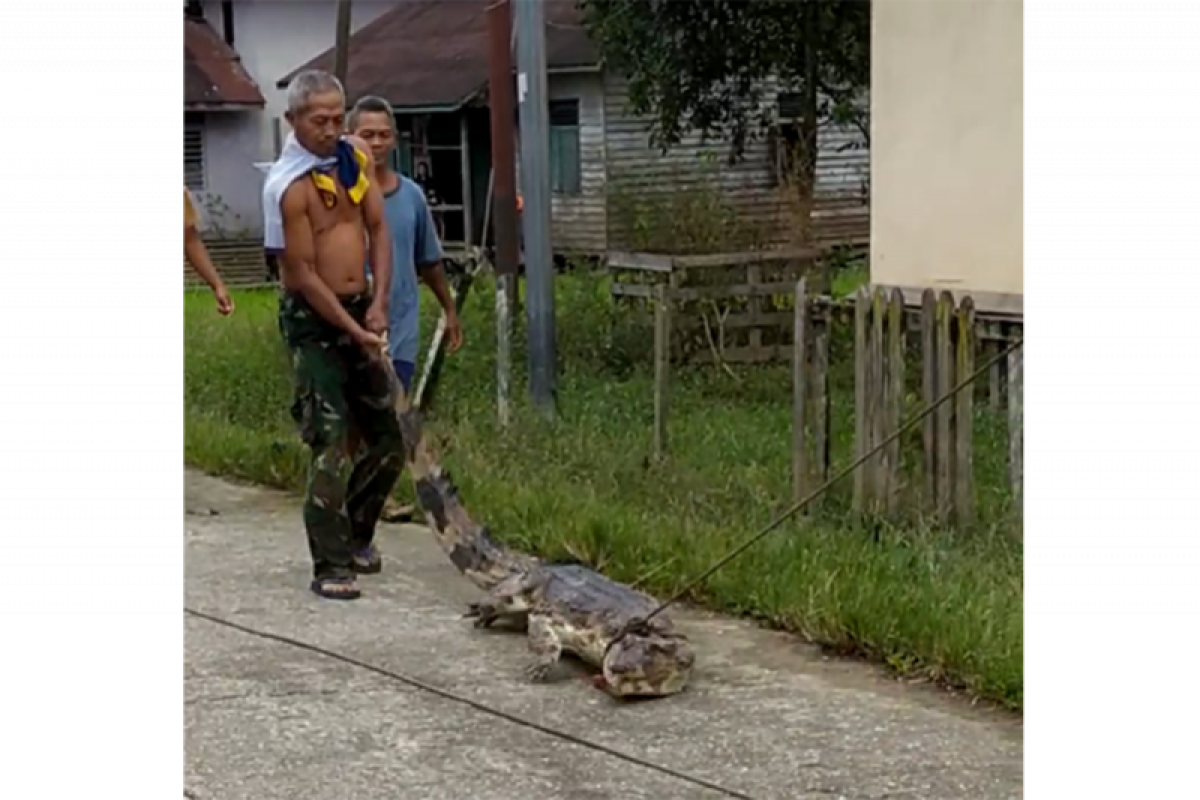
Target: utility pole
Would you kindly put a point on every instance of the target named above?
(504, 189)
(533, 99)
(341, 42)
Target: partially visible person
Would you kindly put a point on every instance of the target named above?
(416, 251)
(323, 209)
(197, 255)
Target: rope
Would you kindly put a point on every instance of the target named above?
(486, 709)
(636, 624)
(799, 506)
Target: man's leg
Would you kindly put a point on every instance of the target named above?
(379, 462)
(320, 412)
(393, 511)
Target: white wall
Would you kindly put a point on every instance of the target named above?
(273, 37)
(231, 201)
(946, 139)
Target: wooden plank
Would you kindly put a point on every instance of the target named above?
(896, 395)
(716, 260)
(991, 345)
(988, 305)
(506, 290)
(1016, 426)
(760, 319)
(754, 303)
(820, 399)
(964, 416)
(929, 387)
(648, 262)
(800, 393)
(877, 400)
(862, 304)
(662, 367)
(689, 293)
(945, 412)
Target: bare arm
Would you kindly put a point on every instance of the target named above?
(434, 276)
(299, 263)
(193, 246)
(428, 257)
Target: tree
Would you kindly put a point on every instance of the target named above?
(703, 65)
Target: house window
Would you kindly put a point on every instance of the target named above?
(564, 147)
(787, 138)
(193, 152)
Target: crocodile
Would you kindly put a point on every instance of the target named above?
(564, 608)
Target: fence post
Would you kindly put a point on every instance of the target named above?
(945, 412)
(820, 395)
(862, 300)
(964, 416)
(881, 398)
(662, 368)
(929, 387)
(800, 467)
(1016, 421)
(996, 371)
(895, 354)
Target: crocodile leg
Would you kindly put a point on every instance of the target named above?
(487, 612)
(544, 644)
(505, 600)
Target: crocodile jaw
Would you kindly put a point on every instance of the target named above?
(653, 665)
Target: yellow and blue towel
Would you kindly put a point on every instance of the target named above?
(347, 166)
(351, 171)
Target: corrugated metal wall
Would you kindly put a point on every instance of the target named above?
(638, 173)
(579, 222)
(642, 176)
(625, 183)
(842, 213)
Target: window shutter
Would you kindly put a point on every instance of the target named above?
(193, 156)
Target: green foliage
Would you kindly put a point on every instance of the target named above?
(922, 601)
(701, 64)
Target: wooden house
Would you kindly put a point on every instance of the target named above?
(430, 61)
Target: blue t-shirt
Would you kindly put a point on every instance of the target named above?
(414, 243)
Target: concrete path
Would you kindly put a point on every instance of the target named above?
(765, 715)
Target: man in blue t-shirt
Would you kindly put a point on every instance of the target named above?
(415, 250)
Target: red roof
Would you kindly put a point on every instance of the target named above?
(434, 53)
(213, 74)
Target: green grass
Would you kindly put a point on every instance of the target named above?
(923, 601)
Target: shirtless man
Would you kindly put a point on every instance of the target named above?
(197, 255)
(332, 323)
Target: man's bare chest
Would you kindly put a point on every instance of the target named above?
(329, 209)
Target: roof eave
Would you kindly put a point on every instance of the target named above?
(222, 106)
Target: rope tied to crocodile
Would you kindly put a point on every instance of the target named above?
(636, 625)
(641, 624)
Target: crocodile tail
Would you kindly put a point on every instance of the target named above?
(469, 545)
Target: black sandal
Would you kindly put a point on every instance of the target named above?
(336, 587)
(367, 562)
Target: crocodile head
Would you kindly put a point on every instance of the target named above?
(647, 664)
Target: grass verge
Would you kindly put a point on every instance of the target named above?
(923, 601)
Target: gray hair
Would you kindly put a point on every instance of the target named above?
(308, 83)
(371, 104)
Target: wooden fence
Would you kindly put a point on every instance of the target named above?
(728, 307)
(904, 359)
(240, 262)
(943, 341)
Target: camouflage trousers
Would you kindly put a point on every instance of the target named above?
(338, 385)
